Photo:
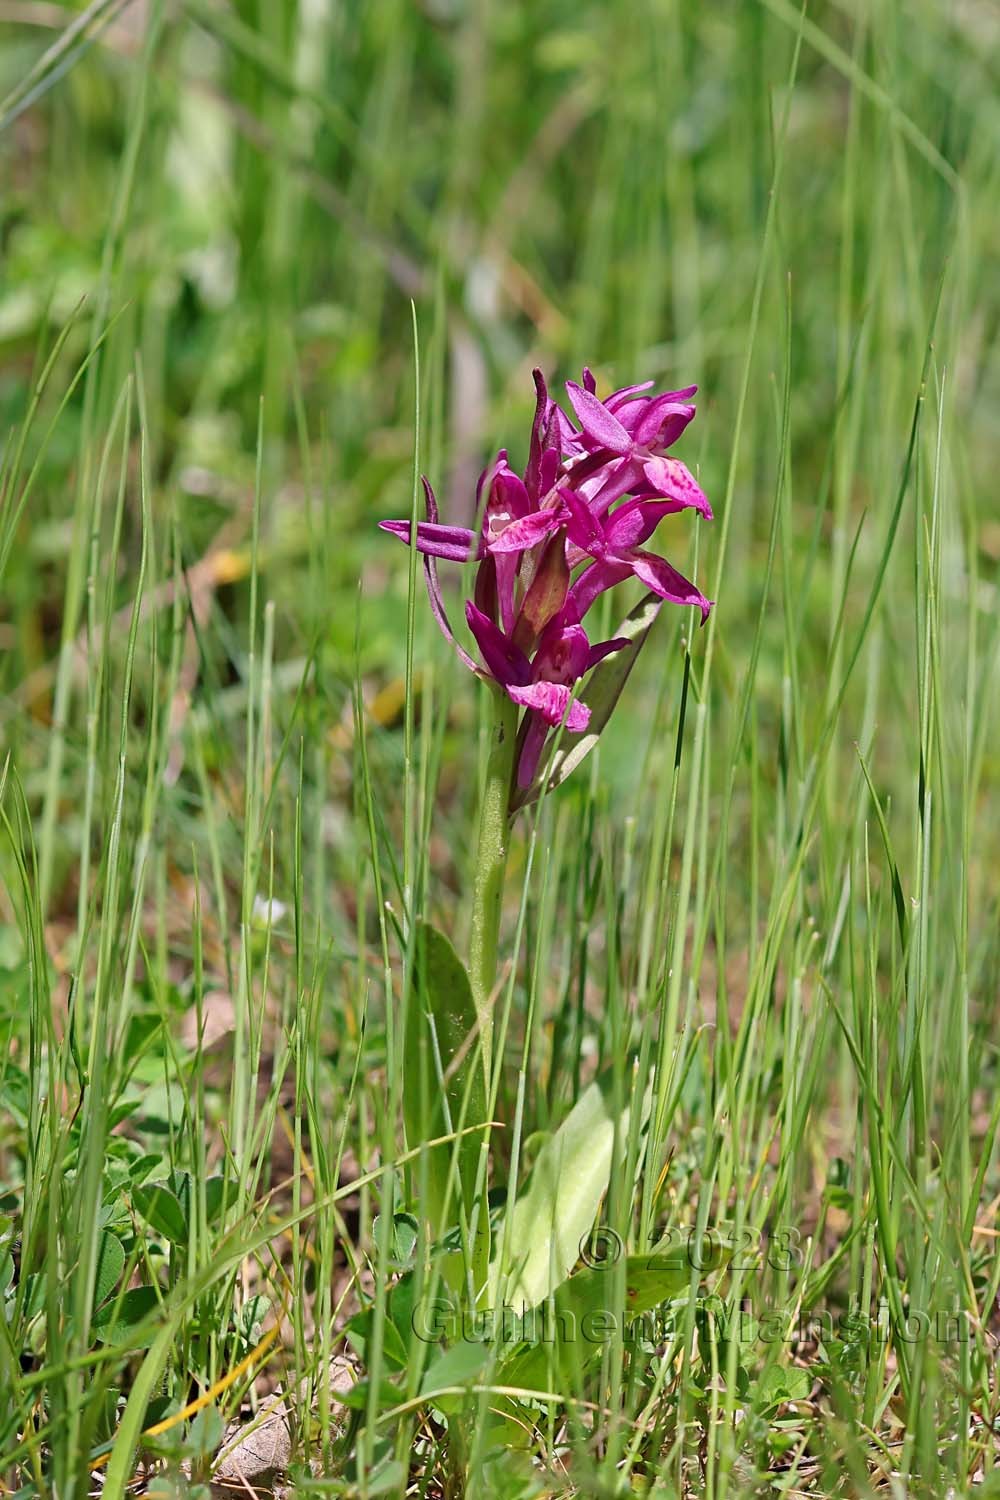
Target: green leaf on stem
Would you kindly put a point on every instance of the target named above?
(600, 695)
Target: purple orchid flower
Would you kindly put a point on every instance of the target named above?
(544, 685)
(613, 545)
(536, 532)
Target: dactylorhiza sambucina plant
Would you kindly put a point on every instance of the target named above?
(549, 544)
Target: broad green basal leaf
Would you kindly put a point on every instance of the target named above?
(590, 1310)
(557, 1209)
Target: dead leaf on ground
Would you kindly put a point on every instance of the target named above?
(218, 1019)
(257, 1453)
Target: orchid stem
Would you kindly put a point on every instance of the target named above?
(491, 864)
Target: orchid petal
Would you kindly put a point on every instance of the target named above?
(485, 474)
(486, 591)
(674, 481)
(562, 652)
(454, 543)
(531, 473)
(548, 470)
(643, 419)
(551, 428)
(593, 582)
(597, 422)
(618, 398)
(507, 494)
(560, 433)
(635, 521)
(504, 661)
(663, 423)
(622, 400)
(506, 564)
(605, 648)
(526, 533)
(657, 574)
(612, 483)
(582, 527)
(551, 700)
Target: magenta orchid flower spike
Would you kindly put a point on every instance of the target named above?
(552, 541)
